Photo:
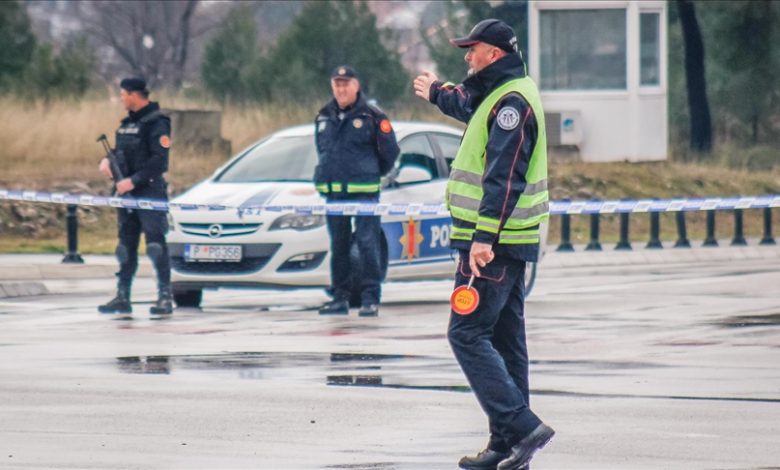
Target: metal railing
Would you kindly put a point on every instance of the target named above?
(624, 243)
(654, 241)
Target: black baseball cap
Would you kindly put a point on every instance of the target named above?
(492, 31)
(344, 72)
(133, 84)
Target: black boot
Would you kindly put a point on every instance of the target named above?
(335, 307)
(522, 452)
(119, 304)
(487, 459)
(164, 304)
(369, 310)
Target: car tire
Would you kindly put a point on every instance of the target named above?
(530, 278)
(356, 271)
(188, 298)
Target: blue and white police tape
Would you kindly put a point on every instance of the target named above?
(360, 208)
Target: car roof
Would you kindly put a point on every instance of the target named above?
(402, 129)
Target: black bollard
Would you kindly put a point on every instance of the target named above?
(565, 234)
(682, 232)
(739, 230)
(767, 239)
(710, 240)
(594, 244)
(655, 232)
(72, 256)
(624, 243)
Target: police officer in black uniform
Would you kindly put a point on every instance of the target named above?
(142, 143)
(356, 145)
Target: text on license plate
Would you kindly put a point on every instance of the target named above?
(229, 253)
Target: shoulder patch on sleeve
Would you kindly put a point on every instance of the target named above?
(385, 126)
(165, 142)
(508, 118)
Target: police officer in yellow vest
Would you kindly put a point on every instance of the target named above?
(497, 195)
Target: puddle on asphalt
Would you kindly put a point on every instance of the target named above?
(396, 371)
(600, 365)
(564, 393)
(377, 381)
(746, 321)
(366, 466)
(336, 369)
(388, 371)
(687, 343)
(242, 308)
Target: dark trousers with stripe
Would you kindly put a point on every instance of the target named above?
(490, 347)
(367, 235)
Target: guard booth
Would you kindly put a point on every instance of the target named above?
(601, 69)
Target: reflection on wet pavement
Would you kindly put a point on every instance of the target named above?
(367, 466)
(561, 393)
(144, 364)
(387, 371)
(772, 319)
(377, 381)
(337, 369)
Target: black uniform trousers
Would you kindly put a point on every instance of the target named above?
(367, 235)
(154, 226)
(489, 344)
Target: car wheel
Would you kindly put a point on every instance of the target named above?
(530, 278)
(188, 298)
(356, 271)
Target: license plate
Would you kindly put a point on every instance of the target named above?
(214, 253)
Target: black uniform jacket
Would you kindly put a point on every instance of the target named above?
(144, 138)
(508, 151)
(354, 145)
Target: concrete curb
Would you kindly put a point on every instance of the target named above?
(48, 267)
(22, 289)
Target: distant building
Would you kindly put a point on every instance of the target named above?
(601, 67)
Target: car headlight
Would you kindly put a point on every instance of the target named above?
(298, 222)
(171, 223)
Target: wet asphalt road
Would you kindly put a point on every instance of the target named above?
(653, 367)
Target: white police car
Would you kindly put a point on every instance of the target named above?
(244, 248)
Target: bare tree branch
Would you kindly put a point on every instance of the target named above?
(124, 27)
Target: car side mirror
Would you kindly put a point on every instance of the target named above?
(411, 174)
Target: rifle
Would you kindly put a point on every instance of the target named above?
(115, 159)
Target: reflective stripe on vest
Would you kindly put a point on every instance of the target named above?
(464, 188)
(354, 188)
(362, 187)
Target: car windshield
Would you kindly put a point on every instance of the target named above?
(274, 159)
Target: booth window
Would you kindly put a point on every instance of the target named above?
(583, 49)
(650, 49)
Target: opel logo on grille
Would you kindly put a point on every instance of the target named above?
(215, 231)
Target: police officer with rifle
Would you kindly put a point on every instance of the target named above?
(137, 167)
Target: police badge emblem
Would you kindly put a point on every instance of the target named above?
(358, 123)
(508, 118)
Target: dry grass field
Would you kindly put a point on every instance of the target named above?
(52, 146)
(50, 143)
